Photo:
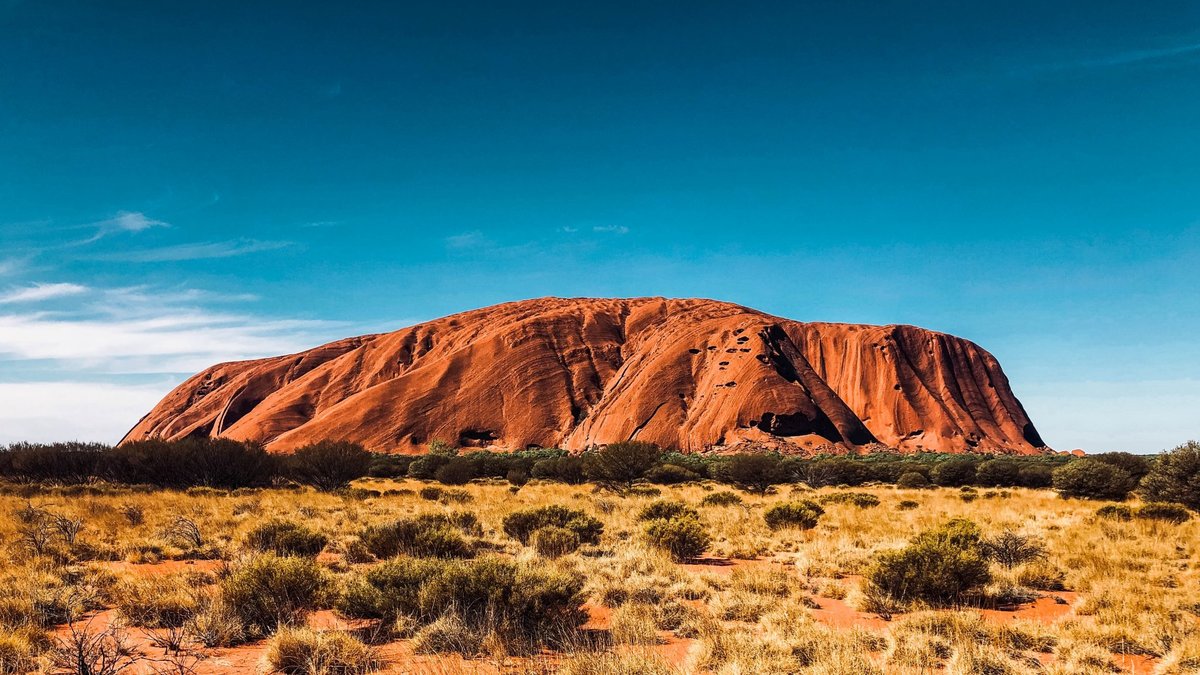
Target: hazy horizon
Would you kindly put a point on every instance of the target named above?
(193, 183)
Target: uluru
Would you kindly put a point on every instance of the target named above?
(688, 374)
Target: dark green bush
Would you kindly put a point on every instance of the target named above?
(664, 510)
(1115, 512)
(908, 505)
(431, 492)
(939, 567)
(998, 473)
(388, 590)
(683, 538)
(724, 498)
(1036, 476)
(912, 480)
(525, 600)
(1175, 477)
(456, 471)
(567, 469)
(801, 515)
(328, 465)
(670, 474)
(954, 472)
(835, 471)
(520, 525)
(862, 500)
(430, 535)
(621, 462)
(1134, 465)
(552, 541)
(1171, 513)
(285, 538)
(1092, 479)
(268, 591)
(754, 472)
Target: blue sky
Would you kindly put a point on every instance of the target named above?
(183, 183)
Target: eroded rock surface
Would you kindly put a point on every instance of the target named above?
(570, 373)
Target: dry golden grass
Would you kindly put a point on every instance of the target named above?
(1134, 586)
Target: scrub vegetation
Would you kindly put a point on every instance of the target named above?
(546, 562)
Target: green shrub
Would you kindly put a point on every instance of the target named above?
(998, 473)
(286, 538)
(862, 500)
(723, 498)
(665, 510)
(388, 590)
(682, 537)
(954, 472)
(268, 591)
(303, 651)
(431, 493)
(328, 465)
(552, 541)
(1171, 513)
(456, 471)
(801, 515)
(429, 535)
(908, 505)
(1175, 477)
(1134, 465)
(1115, 512)
(520, 525)
(531, 598)
(526, 600)
(1092, 479)
(912, 480)
(939, 567)
(670, 474)
(754, 471)
(621, 462)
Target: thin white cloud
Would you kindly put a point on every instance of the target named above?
(140, 329)
(176, 342)
(11, 266)
(1141, 55)
(472, 239)
(1133, 57)
(135, 221)
(197, 251)
(124, 221)
(611, 229)
(41, 292)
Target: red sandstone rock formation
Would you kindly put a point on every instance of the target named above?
(570, 373)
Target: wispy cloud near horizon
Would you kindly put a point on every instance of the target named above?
(1130, 57)
(195, 251)
(40, 292)
(124, 221)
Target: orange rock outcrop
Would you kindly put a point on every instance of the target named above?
(572, 373)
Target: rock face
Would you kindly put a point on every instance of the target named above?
(571, 373)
